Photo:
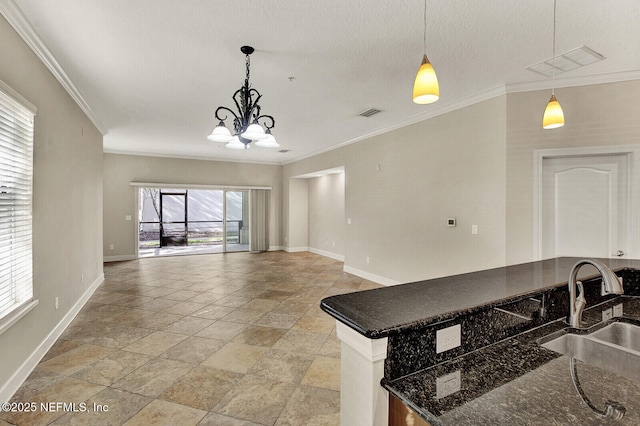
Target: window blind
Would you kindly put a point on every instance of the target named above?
(16, 182)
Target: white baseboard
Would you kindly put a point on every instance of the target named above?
(275, 248)
(119, 258)
(17, 379)
(327, 254)
(295, 249)
(369, 276)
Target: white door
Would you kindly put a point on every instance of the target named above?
(584, 210)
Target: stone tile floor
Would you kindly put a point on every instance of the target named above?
(222, 339)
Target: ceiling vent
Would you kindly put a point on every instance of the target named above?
(567, 61)
(369, 112)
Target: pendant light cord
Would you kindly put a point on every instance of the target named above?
(425, 27)
(553, 58)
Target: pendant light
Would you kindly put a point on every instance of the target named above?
(553, 116)
(425, 88)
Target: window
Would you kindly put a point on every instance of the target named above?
(16, 177)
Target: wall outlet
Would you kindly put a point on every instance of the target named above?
(111, 246)
(474, 229)
(448, 384)
(607, 314)
(448, 338)
(55, 302)
(127, 217)
(617, 310)
(368, 259)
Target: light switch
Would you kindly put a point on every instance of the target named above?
(474, 229)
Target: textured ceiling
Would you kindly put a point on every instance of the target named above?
(153, 71)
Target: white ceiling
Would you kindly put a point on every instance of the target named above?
(154, 71)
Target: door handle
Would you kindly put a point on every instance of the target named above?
(619, 253)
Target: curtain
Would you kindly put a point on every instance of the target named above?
(259, 220)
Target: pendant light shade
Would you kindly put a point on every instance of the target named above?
(553, 116)
(425, 88)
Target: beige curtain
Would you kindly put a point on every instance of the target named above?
(259, 220)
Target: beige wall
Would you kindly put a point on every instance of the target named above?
(67, 207)
(296, 236)
(120, 198)
(327, 224)
(596, 115)
(453, 165)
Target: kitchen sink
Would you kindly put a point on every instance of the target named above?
(620, 334)
(615, 348)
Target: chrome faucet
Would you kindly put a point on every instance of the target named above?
(610, 285)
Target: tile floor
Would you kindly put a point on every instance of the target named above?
(235, 339)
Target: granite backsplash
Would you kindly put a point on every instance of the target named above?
(414, 350)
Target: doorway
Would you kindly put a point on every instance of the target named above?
(584, 203)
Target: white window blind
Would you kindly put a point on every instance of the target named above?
(16, 177)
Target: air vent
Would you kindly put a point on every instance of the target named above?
(369, 112)
(283, 150)
(567, 61)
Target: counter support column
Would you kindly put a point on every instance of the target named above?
(362, 400)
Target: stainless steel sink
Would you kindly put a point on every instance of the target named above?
(621, 334)
(615, 348)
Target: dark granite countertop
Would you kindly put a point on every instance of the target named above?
(518, 382)
(380, 312)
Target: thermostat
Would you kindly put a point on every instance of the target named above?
(451, 221)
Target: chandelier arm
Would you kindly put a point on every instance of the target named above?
(223, 108)
(268, 121)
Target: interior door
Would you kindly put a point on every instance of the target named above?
(585, 206)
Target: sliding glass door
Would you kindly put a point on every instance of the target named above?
(183, 221)
(236, 221)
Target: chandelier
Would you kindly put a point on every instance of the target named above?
(248, 124)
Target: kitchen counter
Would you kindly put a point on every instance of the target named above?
(383, 311)
(518, 382)
(389, 337)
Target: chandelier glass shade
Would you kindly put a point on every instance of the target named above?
(249, 125)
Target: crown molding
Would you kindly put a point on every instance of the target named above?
(188, 157)
(14, 15)
(431, 113)
(585, 80)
